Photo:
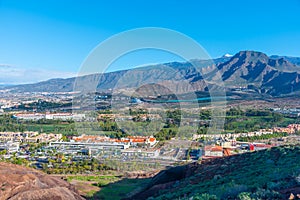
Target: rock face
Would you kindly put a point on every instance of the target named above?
(256, 69)
(19, 182)
(141, 174)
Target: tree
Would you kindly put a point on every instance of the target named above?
(3, 152)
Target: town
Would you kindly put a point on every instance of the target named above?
(51, 133)
(40, 149)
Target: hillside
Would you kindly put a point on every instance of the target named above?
(19, 182)
(266, 174)
(248, 69)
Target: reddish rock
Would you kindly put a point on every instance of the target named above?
(18, 182)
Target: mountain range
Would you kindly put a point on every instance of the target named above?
(246, 70)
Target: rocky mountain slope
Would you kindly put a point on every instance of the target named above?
(252, 69)
(247, 69)
(19, 182)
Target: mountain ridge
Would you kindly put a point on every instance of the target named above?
(271, 75)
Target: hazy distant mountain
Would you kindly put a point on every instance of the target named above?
(168, 74)
(5, 85)
(294, 60)
(246, 69)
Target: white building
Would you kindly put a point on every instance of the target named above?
(98, 145)
(10, 147)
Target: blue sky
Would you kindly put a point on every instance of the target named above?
(52, 38)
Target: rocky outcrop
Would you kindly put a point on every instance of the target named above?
(19, 182)
(140, 174)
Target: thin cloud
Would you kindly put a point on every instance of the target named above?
(14, 75)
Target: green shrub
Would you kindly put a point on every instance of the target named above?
(266, 194)
(244, 196)
(204, 196)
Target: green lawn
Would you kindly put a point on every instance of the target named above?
(105, 179)
(120, 189)
(111, 186)
(45, 127)
(251, 123)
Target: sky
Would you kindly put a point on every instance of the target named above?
(51, 38)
